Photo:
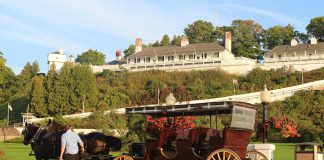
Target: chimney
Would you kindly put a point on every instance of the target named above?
(61, 51)
(293, 42)
(184, 41)
(118, 55)
(313, 40)
(138, 45)
(228, 41)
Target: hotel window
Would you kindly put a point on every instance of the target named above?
(170, 58)
(182, 57)
(138, 60)
(271, 56)
(279, 56)
(160, 58)
(191, 56)
(216, 54)
(205, 55)
(147, 60)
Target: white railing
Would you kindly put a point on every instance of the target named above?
(288, 59)
(20, 124)
(276, 95)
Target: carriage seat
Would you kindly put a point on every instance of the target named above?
(167, 139)
(205, 134)
(201, 136)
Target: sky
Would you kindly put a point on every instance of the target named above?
(29, 30)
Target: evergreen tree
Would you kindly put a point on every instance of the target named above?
(62, 89)
(83, 85)
(50, 90)
(176, 40)
(129, 51)
(156, 44)
(29, 71)
(37, 97)
(165, 40)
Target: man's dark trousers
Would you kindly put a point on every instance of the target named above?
(71, 157)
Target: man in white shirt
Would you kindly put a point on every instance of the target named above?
(69, 144)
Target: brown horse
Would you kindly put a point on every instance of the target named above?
(43, 142)
(95, 143)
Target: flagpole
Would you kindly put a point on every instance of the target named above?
(158, 94)
(8, 115)
(233, 87)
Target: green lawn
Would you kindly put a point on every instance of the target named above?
(284, 151)
(18, 151)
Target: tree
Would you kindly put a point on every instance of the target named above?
(200, 31)
(247, 37)
(129, 51)
(315, 28)
(219, 33)
(30, 70)
(37, 97)
(165, 40)
(62, 88)
(50, 89)
(8, 81)
(278, 35)
(156, 44)
(83, 83)
(92, 57)
(176, 40)
(301, 37)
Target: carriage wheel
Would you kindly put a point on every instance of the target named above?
(255, 155)
(123, 157)
(223, 154)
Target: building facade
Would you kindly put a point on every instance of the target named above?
(58, 58)
(178, 56)
(296, 52)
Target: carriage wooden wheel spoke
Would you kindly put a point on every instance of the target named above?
(255, 155)
(123, 157)
(223, 154)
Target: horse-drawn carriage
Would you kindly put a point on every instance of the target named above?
(196, 143)
(199, 143)
(46, 141)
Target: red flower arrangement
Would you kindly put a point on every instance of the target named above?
(287, 127)
(153, 126)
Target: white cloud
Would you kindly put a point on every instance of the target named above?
(17, 29)
(128, 19)
(275, 16)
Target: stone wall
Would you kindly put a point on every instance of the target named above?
(7, 133)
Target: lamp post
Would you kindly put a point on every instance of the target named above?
(265, 99)
(83, 100)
